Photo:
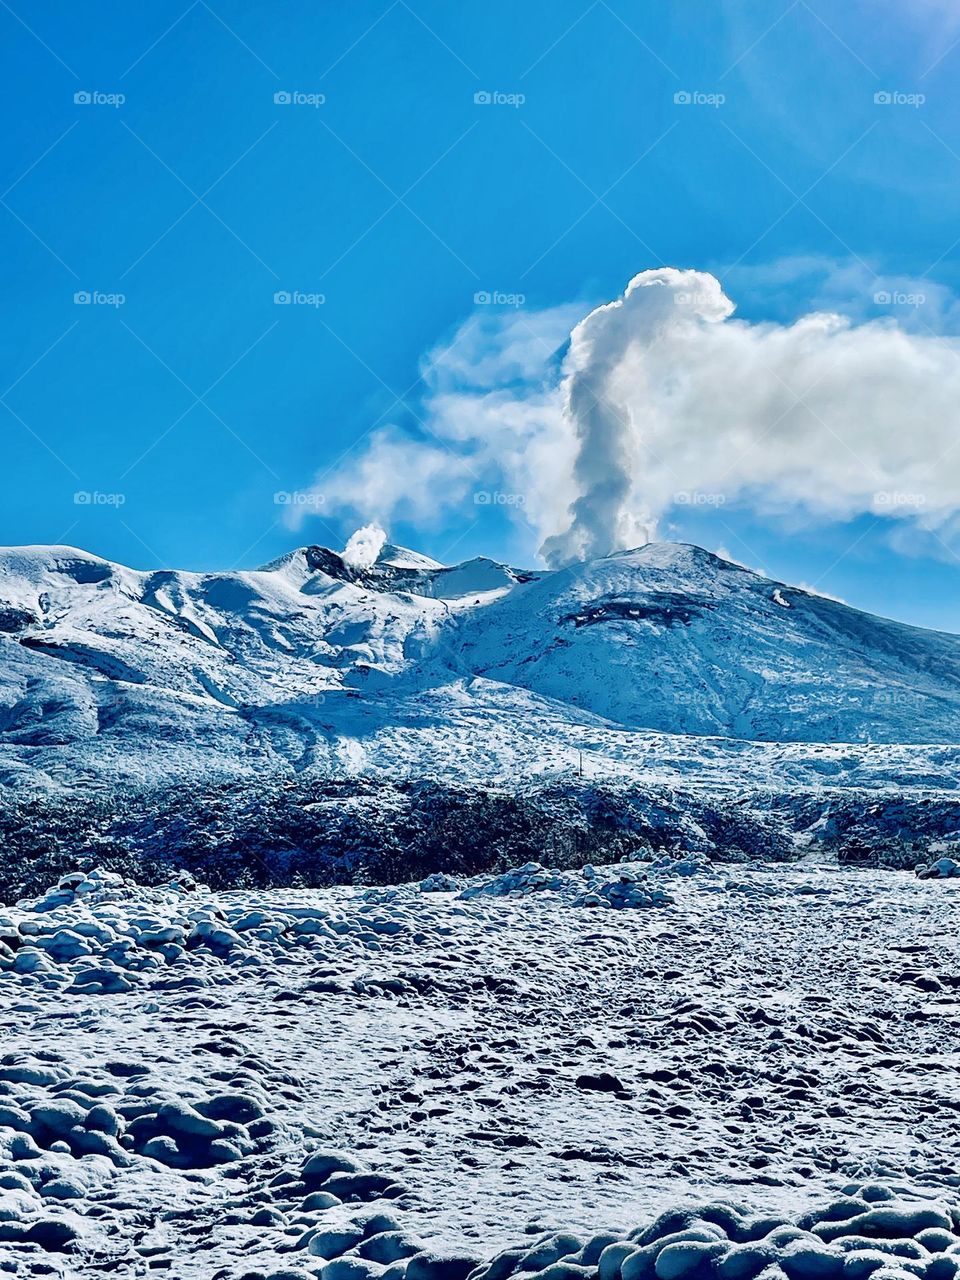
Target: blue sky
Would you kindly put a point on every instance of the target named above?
(149, 165)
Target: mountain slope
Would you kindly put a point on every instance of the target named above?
(673, 638)
(478, 670)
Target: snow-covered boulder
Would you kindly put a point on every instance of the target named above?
(684, 864)
(519, 881)
(942, 869)
(627, 889)
(438, 882)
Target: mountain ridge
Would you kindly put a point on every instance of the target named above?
(403, 666)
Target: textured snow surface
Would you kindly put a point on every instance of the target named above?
(356, 1083)
(475, 671)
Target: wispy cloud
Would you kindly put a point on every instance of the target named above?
(601, 424)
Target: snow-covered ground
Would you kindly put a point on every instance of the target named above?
(401, 1082)
(396, 1083)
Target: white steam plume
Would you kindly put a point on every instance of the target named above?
(611, 415)
(364, 546)
(663, 399)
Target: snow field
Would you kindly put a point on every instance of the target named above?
(749, 1080)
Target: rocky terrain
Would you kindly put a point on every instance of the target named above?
(399, 921)
(660, 1069)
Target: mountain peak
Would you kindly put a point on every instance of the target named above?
(672, 555)
(404, 558)
(398, 569)
(315, 660)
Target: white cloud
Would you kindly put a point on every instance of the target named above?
(824, 595)
(662, 398)
(724, 554)
(490, 420)
(847, 286)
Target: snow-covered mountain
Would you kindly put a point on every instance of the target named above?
(673, 638)
(476, 670)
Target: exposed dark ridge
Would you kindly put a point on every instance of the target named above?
(313, 831)
(85, 656)
(84, 572)
(323, 560)
(666, 608)
(16, 617)
(390, 577)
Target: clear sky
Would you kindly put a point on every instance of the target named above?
(385, 163)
